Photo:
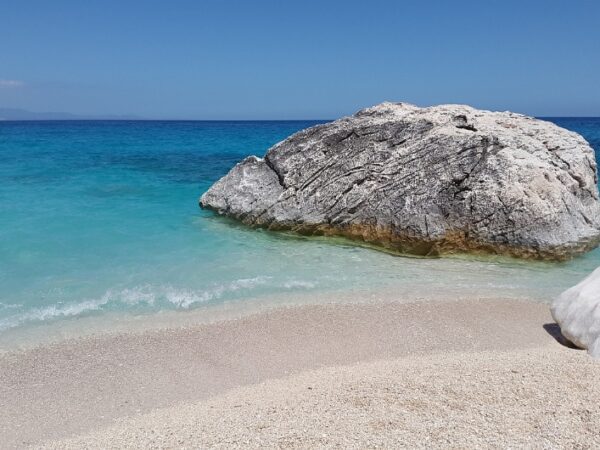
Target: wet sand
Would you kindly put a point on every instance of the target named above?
(179, 387)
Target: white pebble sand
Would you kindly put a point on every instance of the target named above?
(429, 374)
(538, 398)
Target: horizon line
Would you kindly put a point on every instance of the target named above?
(166, 120)
(229, 120)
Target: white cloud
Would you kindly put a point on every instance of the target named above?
(11, 83)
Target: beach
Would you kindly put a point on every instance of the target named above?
(269, 225)
(431, 373)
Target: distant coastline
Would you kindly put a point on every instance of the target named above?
(15, 114)
(23, 115)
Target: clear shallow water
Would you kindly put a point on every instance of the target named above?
(103, 217)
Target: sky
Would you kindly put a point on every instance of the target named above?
(257, 59)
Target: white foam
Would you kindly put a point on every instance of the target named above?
(51, 312)
(293, 284)
(9, 305)
(184, 298)
(158, 297)
(135, 296)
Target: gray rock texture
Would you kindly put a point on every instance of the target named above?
(425, 181)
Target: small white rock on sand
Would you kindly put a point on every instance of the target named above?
(431, 374)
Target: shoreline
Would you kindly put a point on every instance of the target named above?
(39, 334)
(80, 386)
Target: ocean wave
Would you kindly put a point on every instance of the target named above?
(9, 306)
(186, 298)
(149, 297)
(51, 312)
(292, 284)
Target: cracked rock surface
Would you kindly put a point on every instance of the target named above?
(425, 181)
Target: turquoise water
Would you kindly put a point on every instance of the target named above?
(103, 217)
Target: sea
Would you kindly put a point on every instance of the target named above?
(101, 219)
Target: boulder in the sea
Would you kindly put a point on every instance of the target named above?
(425, 181)
(577, 312)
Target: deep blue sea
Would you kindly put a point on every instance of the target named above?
(100, 217)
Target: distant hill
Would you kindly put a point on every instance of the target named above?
(22, 114)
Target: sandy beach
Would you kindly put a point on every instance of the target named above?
(454, 373)
(299, 225)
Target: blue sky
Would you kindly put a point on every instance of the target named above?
(258, 59)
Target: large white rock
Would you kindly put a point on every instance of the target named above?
(577, 311)
(427, 181)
